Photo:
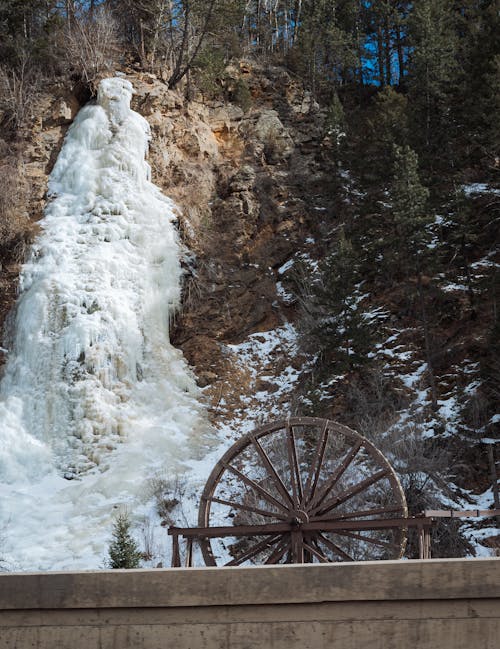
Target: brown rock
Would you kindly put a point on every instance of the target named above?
(64, 110)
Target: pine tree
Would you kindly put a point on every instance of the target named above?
(335, 324)
(462, 237)
(123, 550)
(479, 95)
(387, 127)
(433, 75)
(327, 53)
(411, 218)
(409, 210)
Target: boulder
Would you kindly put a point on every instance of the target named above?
(64, 110)
(270, 137)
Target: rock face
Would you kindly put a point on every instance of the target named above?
(241, 180)
(270, 138)
(25, 165)
(238, 179)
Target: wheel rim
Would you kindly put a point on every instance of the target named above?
(303, 470)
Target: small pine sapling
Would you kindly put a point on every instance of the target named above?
(123, 550)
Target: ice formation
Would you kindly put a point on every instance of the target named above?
(94, 399)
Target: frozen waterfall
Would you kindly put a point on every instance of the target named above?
(94, 399)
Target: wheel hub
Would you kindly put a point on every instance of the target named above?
(298, 516)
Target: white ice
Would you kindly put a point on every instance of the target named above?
(94, 400)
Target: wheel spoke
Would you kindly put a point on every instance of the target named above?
(254, 551)
(368, 539)
(294, 466)
(280, 550)
(363, 512)
(334, 548)
(251, 483)
(272, 472)
(338, 500)
(249, 508)
(335, 477)
(311, 546)
(316, 464)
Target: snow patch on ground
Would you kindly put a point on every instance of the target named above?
(479, 188)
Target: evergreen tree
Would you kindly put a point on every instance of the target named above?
(479, 97)
(374, 154)
(24, 29)
(411, 218)
(409, 210)
(327, 53)
(433, 75)
(381, 23)
(462, 237)
(335, 325)
(123, 550)
(335, 125)
(391, 123)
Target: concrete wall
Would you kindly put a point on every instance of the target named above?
(437, 604)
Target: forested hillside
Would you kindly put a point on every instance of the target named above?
(340, 217)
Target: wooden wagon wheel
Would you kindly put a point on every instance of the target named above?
(304, 476)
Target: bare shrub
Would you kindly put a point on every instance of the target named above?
(168, 494)
(90, 46)
(150, 548)
(476, 411)
(373, 401)
(424, 467)
(19, 88)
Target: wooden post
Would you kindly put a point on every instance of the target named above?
(427, 542)
(297, 547)
(176, 556)
(420, 532)
(189, 552)
(494, 477)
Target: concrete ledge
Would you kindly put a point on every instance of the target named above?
(437, 604)
(173, 587)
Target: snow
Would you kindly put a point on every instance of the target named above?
(284, 295)
(266, 357)
(412, 379)
(286, 266)
(93, 391)
(479, 188)
(485, 263)
(451, 287)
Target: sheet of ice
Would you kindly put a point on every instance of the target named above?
(94, 399)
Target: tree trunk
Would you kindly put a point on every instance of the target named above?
(401, 61)
(388, 50)
(380, 56)
(181, 69)
(470, 290)
(494, 477)
(427, 342)
(296, 20)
